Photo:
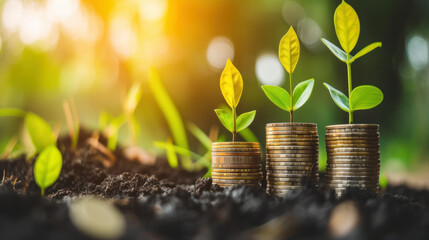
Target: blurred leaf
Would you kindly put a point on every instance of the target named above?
(289, 50)
(168, 109)
(383, 181)
(225, 118)
(104, 119)
(11, 112)
(133, 98)
(247, 135)
(245, 119)
(231, 84)
(112, 131)
(366, 50)
(302, 93)
(365, 97)
(171, 155)
(347, 26)
(181, 151)
(278, 96)
(40, 132)
(47, 167)
(200, 135)
(340, 54)
(339, 98)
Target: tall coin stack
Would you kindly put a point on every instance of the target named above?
(236, 163)
(292, 153)
(353, 157)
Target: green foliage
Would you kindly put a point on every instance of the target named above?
(278, 96)
(47, 167)
(131, 101)
(12, 112)
(289, 55)
(40, 132)
(347, 28)
(231, 85)
(110, 126)
(169, 110)
(247, 135)
(365, 97)
(339, 98)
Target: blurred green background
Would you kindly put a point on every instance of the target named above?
(94, 50)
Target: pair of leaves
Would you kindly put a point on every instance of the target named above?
(281, 97)
(361, 98)
(47, 167)
(289, 50)
(347, 28)
(243, 121)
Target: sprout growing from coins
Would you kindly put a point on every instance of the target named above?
(289, 56)
(347, 28)
(231, 85)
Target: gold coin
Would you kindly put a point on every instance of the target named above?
(279, 164)
(237, 177)
(237, 161)
(291, 125)
(238, 144)
(300, 168)
(255, 174)
(374, 154)
(235, 181)
(236, 170)
(343, 169)
(293, 144)
(289, 174)
(230, 166)
(285, 179)
(356, 179)
(347, 126)
(351, 149)
(289, 132)
(273, 151)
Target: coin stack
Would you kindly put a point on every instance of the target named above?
(292, 153)
(353, 156)
(236, 163)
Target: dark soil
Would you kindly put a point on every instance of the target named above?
(159, 202)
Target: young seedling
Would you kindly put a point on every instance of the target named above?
(47, 167)
(72, 121)
(129, 105)
(347, 28)
(289, 56)
(231, 85)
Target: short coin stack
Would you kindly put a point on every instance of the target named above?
(353, 156)
(236, 163)
(292, 153)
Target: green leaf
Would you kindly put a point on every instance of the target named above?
(278, 96)
(200, 135)
(179, 150)
(12, 112)
(365, 97)
(302, 93)
(171, 155)
(47, 167)
(40, 132)
(133, 98)
(245, 119)
(225, 118)
(340, 54)
(339, 98)
(169, 110)
(366, 50)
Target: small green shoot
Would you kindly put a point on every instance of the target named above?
(47, 167)
(40, 132)
(130, 104)
(72, 121)
(231, 85)
(347, 28)
(289, 56)
(110, 127)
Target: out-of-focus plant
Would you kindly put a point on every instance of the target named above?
(47, 167)
(347, 28)
(72, 119)
(231, 85)
(289, 56)
(383, 181)
(172, 116)
(129, 106)
(48, 164)
(110, 126)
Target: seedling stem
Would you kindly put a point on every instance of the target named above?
(349, 77)
(291, 97)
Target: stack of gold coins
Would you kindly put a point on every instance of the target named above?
(236, 163)
(353, 157)
(292, 153)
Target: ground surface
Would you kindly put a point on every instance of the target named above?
(163, 203)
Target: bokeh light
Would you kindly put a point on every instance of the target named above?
(218, 51)
(418, 52)
(269, 70)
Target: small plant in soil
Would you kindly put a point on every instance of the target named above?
(289, 56)
(231, 85)
(347, 28)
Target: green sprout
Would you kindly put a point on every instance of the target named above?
(72, 121)
(130, 104)
(289, 56)
(347, 28)
(231, 85)
(48, 164)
